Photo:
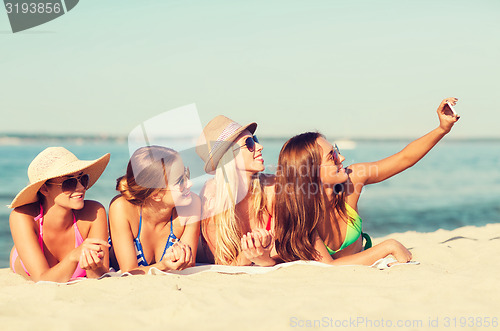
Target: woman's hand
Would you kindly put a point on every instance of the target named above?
(89, 244)
(257, 246)
(176, 257)
(91, 260)
(446, 117)
(399, 252)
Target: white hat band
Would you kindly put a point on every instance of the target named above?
(226, 133)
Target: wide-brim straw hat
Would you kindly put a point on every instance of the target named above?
(56, 162)
(217, 137)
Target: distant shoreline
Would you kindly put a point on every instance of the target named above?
(22, 139)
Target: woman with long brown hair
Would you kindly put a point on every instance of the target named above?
(317, 198)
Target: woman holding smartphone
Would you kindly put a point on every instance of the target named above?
(322, 222)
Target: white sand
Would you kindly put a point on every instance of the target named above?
(456, 280)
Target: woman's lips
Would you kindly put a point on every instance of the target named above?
(78, 196)
(259, 158)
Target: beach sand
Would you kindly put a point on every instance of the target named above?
(455, 285)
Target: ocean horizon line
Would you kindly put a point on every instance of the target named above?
(28, 138)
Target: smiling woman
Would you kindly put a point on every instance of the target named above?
(155, 221)
(237, 204)
(322, 223)
(67, 238)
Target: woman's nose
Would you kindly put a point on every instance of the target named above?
(79, 186)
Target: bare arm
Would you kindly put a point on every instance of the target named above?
(29, 250)
(191, 232)
(374, 172)
(177, 257)
(209, 235)
(367, 257)
(257, 246)
(99, 265)
(122, 237)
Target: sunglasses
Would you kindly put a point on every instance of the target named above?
(250, 143)
(334, 155)
(70, 184)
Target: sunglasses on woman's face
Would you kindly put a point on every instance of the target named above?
(250, 143)
(334, 156)
(70, 184)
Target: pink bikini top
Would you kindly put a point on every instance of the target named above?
(79, 272)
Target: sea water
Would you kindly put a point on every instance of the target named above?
(456, 184)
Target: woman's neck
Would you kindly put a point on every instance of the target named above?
(156, 213)
(57, 216)
(330, 201)
(244, 186)
(329, 192)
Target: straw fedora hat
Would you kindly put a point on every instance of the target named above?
(56, 162)
(217, 137)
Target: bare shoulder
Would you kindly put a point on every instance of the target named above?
(92, 213)
(120, 203)
(120, 210)
(92, 206)
(116, 197)
(25, 214)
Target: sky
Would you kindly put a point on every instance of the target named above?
(346, 68)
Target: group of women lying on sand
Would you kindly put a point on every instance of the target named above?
(308, 210)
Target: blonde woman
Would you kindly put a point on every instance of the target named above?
(237, 202)
(58, 235)
(155, 221)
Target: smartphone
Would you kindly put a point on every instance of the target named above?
(453, 112)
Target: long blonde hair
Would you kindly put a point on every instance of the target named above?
(228, 230)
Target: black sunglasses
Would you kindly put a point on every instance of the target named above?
(70, 184)
(250, 143)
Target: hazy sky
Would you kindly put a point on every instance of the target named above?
(346, 68)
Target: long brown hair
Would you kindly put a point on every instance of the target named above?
(300, 198)
(146, 173)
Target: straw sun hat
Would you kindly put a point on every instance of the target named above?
(56, 162)
(217, 137)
